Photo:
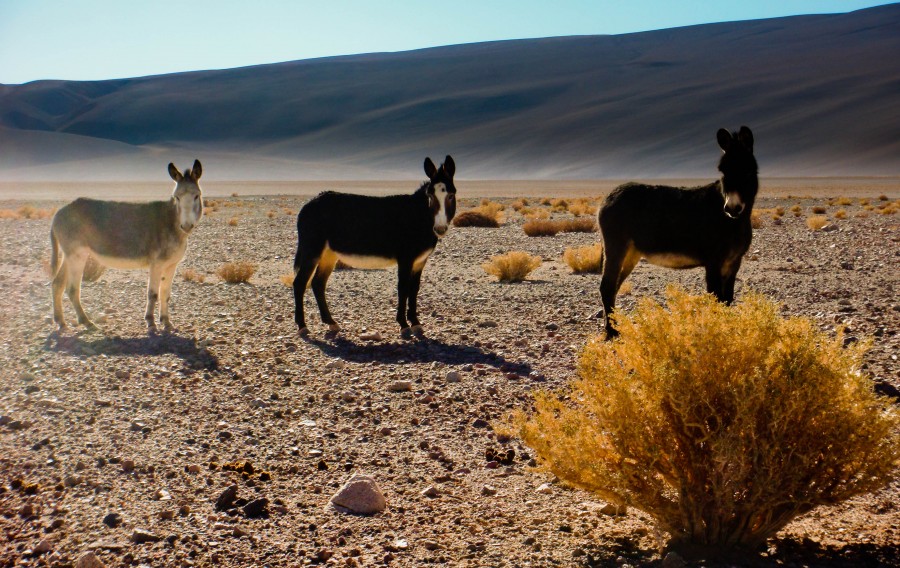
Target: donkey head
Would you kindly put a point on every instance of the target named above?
(739, 170)
(441, 193)
(187, 195)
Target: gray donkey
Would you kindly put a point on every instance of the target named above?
(125, 235)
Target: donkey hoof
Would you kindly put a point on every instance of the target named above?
(90, 326)
(303, 331)
(417, 329)
(406, 332)
(333, 327)
(611, 334)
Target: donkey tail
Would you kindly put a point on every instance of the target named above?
(54, 254)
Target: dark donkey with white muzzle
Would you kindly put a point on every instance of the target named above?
(678, 227)
(373, 232)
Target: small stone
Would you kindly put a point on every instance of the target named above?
(193, 468)
(167, 514)
(239, 532)
(360, 494)
(335, 364)
(487, 323)
(480, 423)
(122, 374)
(127, 466)
(614, 510)
(112, 520)
(551, 327)
(454, 377)
(431, 492)
(400, 386)
(256, 508)
(184, 510)
(370, 336)
(226, 498)
(73, 480)
(42, 547)
(545, 489)
(488, 491)
(162, 495)
(348, 396)
(430, 545)
(89, 560)
(673, 560)
(140, 536)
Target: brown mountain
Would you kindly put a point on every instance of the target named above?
(821, 92)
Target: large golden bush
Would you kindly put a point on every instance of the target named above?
(722, 423)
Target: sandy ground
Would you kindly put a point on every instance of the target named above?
(122, 423)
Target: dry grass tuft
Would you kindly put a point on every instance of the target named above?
(819, 209)
(512, 267)
(579, 225)
(585, 259)
(541, 228)
(626, 288)
(475, 218)
(844, 201)
(236, 272)
(287, 279)
(518, 204)
(534, 213)
(233, 222)
(882, 197)
(721, 442)
(582, 206)
(191, 275)
(816, 222)
(840, 214)
(756, 219)
(26, 212)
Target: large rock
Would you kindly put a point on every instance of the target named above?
(89, 560)
(361, 495)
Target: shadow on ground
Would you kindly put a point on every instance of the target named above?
(194, 356)
(416, 351)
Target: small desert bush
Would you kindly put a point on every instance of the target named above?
(287, 279)
(721, 423)
(27, 212)
(271, 214)
(534, 213)
(882, 197)
(582, 206)
(236, 272)
(541, 228)
(518, 204)
(862, 214)
(512, 266)
(585, 259)
(474, 218)
(191, 275)
(816, 222)
(864, 201)
(233, 222)
(756, 219)
(840, 214)
(819, 209)
(888, 208)
(844, 201)
(779, 211)
(578, 225)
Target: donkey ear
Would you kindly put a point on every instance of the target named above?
(724, 138)
(174, 173)
(430, 169)
(197, 170)
(746, 137)
(449, 166)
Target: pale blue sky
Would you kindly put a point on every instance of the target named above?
(104, 39)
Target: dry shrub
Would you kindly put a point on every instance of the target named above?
(756, 219)
(191, 275)
(512, 266)
(864, 201)
(534, 213)
(233, 222)
(889, 210)
(546, 201)
(844, 201)
(235, 194)
(869, 207)
(9, 214)
(26, 212)
(287, 279)
(626, 288)
(585, 259)
(236, 272)
(582, 206)
(579, 225)
(819, 210)
(541, 228)
(816, 222)
(840, 214)
(519, 204)
(93, 270)
(721, 423)
(779, 211)
(862, 214)
(882, 197)
(796, 209)
(474, 218)
(271, 214)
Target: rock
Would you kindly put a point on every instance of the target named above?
(480, 423)
(73, 480)
(127, 466)
(226, 498)
(348, 396)
(259, 403)
(360, 494)
(42, 547)
(26, 511)
(430, 545)
(89, 560)
(256, 508)
(140, 536)
(614, 510)
(551, 327)
(829, 227)
(454, 377)
(431, 492)
(193, 468)
(335, 364)
(488, 491)
(122, 374)
(673, 560)
(239, 532)
(400, 386)
(370, 336)
(167, 515)
(545, 489)
(112, 520)
(487, 323)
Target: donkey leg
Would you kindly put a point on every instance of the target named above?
(74, 272)
(152, 295)
(320, 280)
(609, 286)
(404, 278)
(728, 280)
(165, 292)
(59, 286)
(413, 313)
(305, 268)
(714, 282)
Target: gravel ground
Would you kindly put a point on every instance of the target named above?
(121, 443)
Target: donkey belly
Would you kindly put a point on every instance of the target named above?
(121, 262)
(672, 260)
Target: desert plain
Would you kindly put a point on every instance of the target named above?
(121, 442)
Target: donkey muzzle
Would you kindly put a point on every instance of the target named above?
(440, 230)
